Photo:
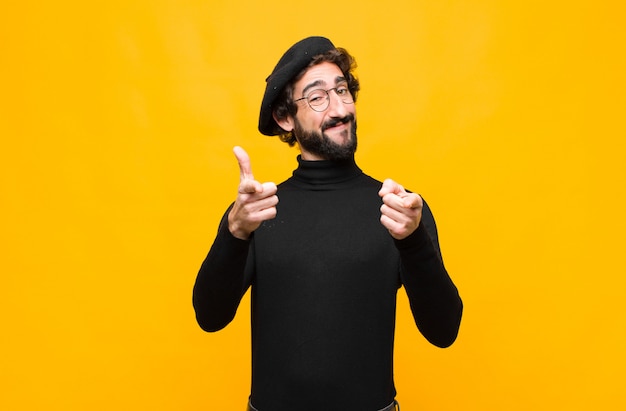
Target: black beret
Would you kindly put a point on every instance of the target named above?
(289, 65)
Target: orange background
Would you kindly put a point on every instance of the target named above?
(117, 122)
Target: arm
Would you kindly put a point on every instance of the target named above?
(434, 299)
(222, 279)
(220, 283)
(435, 302)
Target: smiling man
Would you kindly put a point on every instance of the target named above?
(324, 253)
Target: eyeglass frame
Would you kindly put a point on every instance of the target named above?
(315, 108)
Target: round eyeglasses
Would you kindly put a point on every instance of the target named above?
(319, 99)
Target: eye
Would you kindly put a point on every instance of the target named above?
(317, 97)
(342, 90)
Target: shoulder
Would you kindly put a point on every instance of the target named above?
(371, 180)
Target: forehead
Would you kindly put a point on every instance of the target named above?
(325, 73)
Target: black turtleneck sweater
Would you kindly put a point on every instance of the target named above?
(324, 275)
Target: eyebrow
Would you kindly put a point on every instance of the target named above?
(317, 83)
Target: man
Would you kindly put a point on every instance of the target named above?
(325, 262)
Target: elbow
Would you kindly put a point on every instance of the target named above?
(210, 326)
(449, 335)
(210, 323)
(444, 340)
(209, 318)
(444, 331)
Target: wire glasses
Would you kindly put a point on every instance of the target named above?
(319, 99)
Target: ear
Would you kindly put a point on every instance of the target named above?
(285, 123)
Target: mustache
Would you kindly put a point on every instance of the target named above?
(337, 121)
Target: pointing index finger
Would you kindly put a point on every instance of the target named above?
(243, 159)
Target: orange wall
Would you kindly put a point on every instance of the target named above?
(117, 121)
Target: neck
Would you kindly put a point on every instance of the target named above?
(325, 174)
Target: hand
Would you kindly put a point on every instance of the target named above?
(401, 211)
(255, 202)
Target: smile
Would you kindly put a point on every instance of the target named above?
(338, 123)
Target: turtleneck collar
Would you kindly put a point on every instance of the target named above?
(325, 174)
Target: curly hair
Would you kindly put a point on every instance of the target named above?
(284, 105)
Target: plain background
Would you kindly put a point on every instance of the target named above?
(117, 122)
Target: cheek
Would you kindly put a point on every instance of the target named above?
(312, 121)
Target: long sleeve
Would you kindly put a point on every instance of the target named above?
(221, 283)
(435, 302)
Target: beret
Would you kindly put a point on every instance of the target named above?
(290, 64)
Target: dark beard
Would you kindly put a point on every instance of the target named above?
(322, 146)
